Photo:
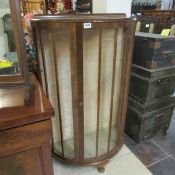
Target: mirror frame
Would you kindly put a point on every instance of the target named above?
(21, 79)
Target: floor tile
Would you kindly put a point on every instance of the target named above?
(167, 142)
(129, 142)
(124, 150)
(165, 167)
(125, 163)
(148, 152)
(174, 114)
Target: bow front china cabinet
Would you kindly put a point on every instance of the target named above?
(84, 63)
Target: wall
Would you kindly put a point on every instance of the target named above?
(167, 4)
(74, 4)
(119, 6)
(112, 6)
(99, 6)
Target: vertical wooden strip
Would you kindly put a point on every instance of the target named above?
(73, 64)
(123, 82)
(46, 6)
(79, 57)
(44, 63)
(45, 2)
(119, 118)
(126, 69)
(98, 99)
(112, 88)
(15, 9)
(58, 90)
(37, 45)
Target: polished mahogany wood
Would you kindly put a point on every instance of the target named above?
(76, 41)
(26, 134)
(38, 109)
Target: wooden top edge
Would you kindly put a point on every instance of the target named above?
(80, 17)
(158, 11)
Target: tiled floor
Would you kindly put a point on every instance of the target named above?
(125, 163)
(158, 154)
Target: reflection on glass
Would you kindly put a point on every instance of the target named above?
(8, 56)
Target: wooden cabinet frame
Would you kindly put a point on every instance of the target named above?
(75, 24)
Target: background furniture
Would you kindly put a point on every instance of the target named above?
(25, 133)
(84, 6)
(161, 19)
(29, 6)
(151, 95)
(85, 65)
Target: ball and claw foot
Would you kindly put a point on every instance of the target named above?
(101, 169)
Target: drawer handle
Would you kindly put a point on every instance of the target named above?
(165, 81)
(167, 53)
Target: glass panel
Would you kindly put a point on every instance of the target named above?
(57, 61)
(90, 66)
(117, 86)
(63, 49)
(108, 36)
(47, 42)
(8, 57)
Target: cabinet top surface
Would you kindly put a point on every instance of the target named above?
(81, 17)
(38, 109)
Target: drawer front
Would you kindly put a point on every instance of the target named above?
(25, 137)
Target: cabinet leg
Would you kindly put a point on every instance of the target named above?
(101, 167)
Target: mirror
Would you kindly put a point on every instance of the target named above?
(9, 64)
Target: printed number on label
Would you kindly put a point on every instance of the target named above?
(87, 25)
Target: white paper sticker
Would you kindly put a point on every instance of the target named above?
(87, 25)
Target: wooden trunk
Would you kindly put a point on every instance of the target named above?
(85, 62)
(153, 51)
(143, 120)
(149, 85)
